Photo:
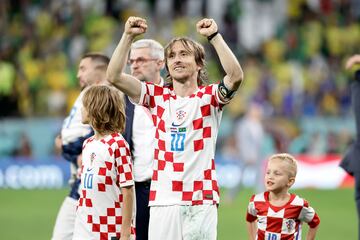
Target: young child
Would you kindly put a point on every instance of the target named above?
(277, 214)
(105, 208)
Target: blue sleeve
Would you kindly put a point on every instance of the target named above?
(72, 150)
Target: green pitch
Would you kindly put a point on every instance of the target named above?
(30, 215)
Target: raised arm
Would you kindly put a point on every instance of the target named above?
(128, 84)
(234, 74)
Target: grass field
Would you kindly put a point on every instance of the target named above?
(30, 215)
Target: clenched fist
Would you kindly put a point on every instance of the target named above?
(206, 27)
(135, 26)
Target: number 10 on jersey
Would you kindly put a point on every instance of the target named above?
(272, 236)
(88, 180)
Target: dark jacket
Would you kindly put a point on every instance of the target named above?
(351, 160)
(129, 112)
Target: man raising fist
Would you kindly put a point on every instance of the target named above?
(186, 113)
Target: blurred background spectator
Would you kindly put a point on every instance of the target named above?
(292, 53)
(249, 137)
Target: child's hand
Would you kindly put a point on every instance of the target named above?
(128, 237)
(126, 234)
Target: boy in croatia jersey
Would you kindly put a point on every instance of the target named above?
(277, 214)
(91, 71)
(184, 192)
(105, 207)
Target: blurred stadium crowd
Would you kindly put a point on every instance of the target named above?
(292, 53)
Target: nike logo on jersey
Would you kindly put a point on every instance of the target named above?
(175, 125)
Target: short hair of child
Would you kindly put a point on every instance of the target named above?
(289, 159)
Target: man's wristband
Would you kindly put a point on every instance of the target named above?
(212, 36)
(357, 75)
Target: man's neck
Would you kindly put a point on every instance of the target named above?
(157, 80)
(103, 81)
(185, 89)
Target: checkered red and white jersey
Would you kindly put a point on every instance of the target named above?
(185, 137)
(280, 223)
(106, 168)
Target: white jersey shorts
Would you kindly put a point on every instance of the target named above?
(183, 222)
(65, 221)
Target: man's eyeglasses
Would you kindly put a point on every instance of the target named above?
(140, 60)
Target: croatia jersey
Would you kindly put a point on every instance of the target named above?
(280, 223)
(106, 169)
(185, 138)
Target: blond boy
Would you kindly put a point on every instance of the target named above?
(277, 214)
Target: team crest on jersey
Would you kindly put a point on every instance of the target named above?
(180, 118)
(92, 158)
(290, 224)
(180, 115)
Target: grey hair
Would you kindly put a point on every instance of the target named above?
(157, 50)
